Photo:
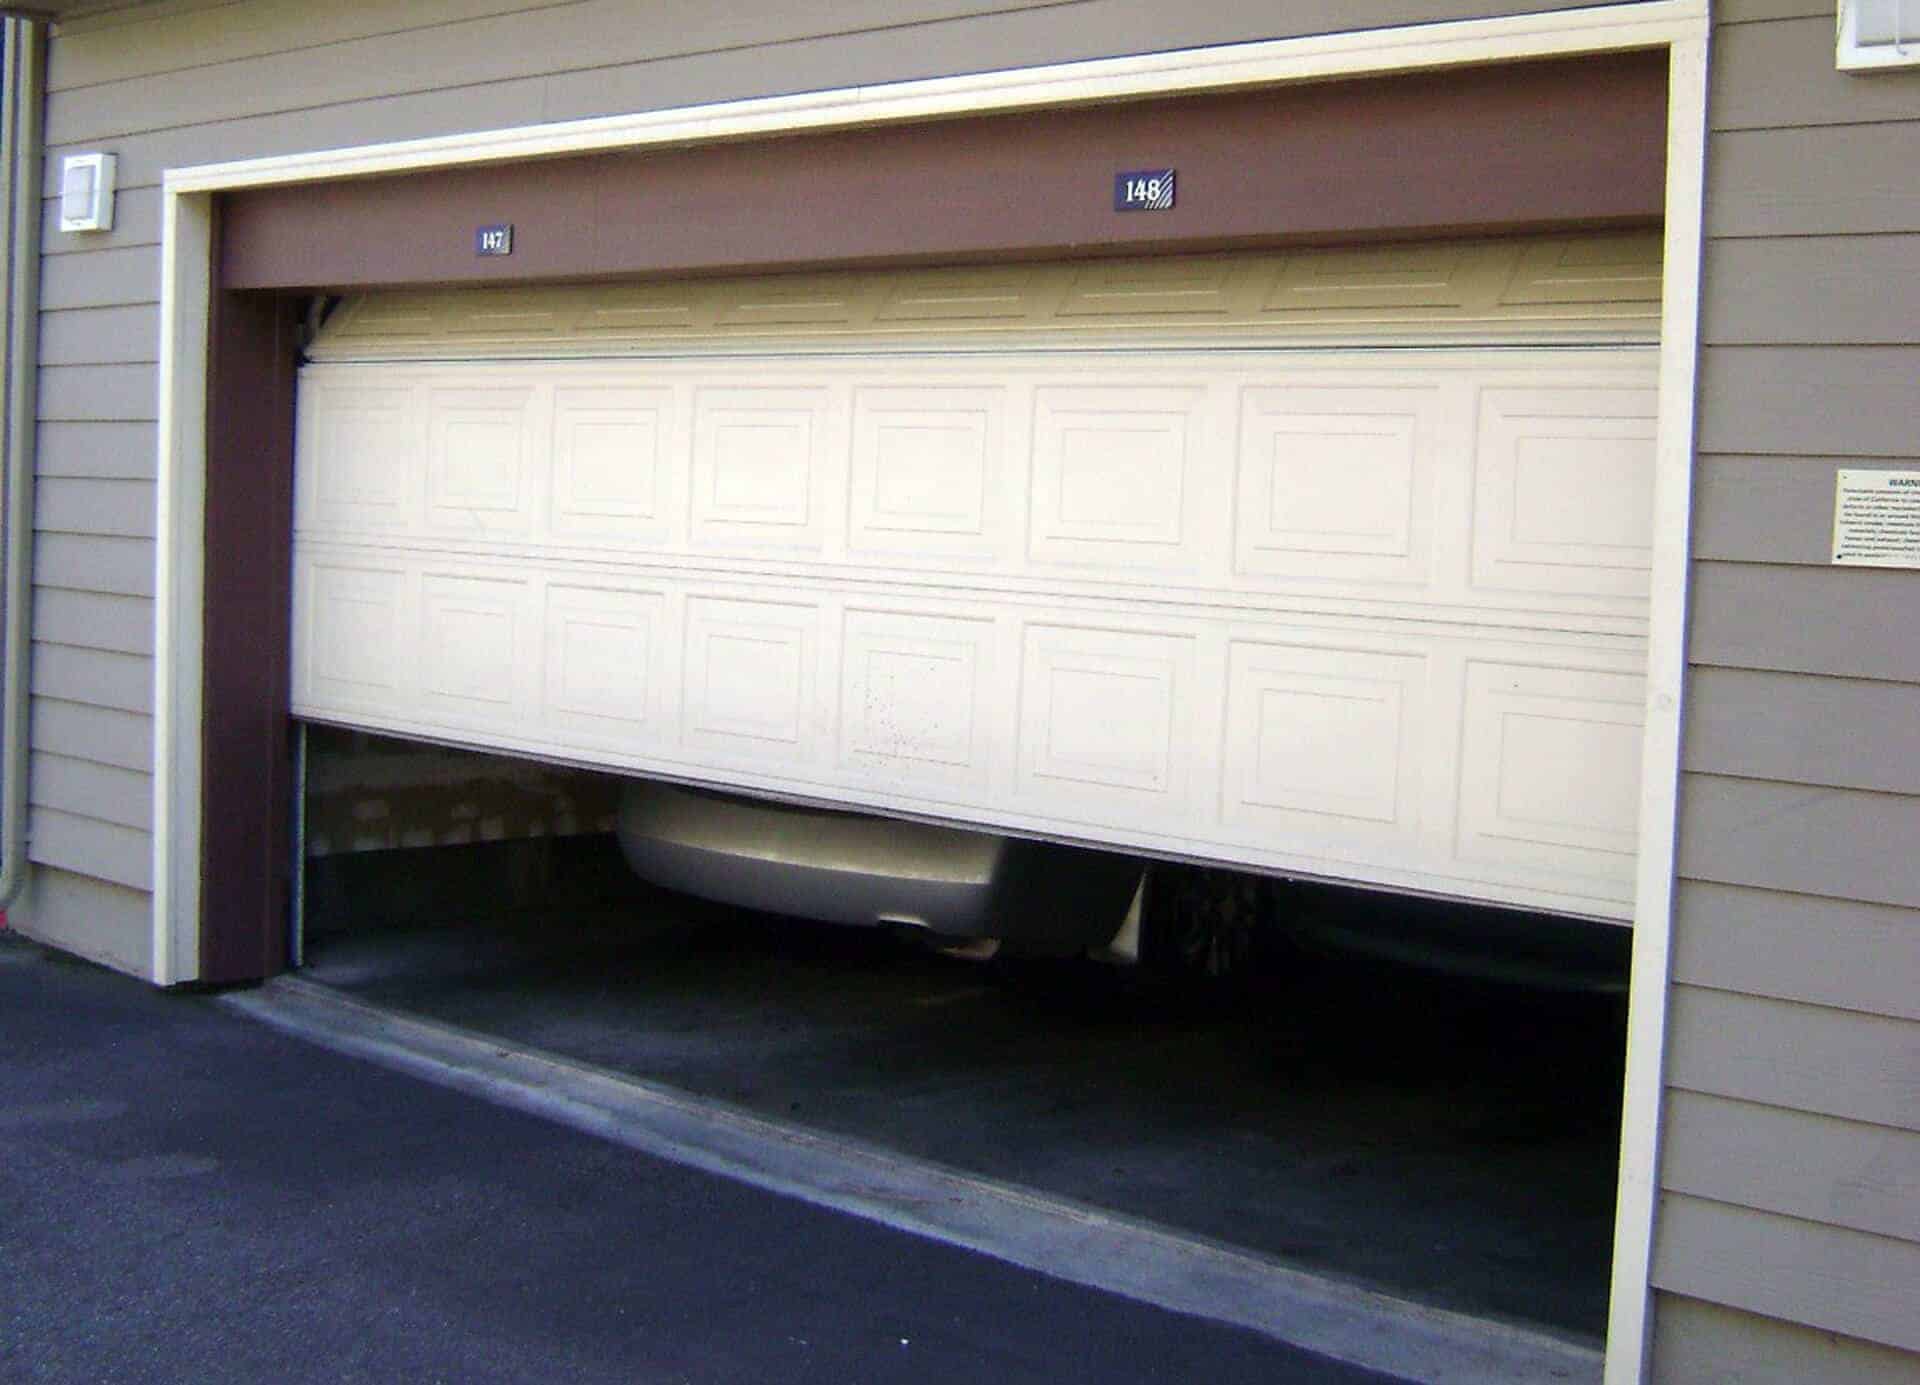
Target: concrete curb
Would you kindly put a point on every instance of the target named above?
(1053, 1236)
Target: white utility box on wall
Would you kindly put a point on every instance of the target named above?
(86, 192)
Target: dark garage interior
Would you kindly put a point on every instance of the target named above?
(1437, 1132)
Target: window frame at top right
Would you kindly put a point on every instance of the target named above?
(1852, 55)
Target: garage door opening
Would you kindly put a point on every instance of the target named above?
(1327, 569)
(1448, 1139)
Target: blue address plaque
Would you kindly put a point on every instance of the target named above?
(1143, 190)
(493, 240)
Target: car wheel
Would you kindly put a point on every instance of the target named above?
(1202, 922)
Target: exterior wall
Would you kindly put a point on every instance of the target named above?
(184, 82)
(1788, 1242)
(1792, 1160)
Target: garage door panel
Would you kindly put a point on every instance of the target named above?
(1558, 287)
(1601, 273)
(1100, 727)
(1338, 483)
(1114, 481)
(929, 472)
(1325, 744)
(477, 648)
(1550, 768)
(1187, 289)
(989, 295)
(821, 300)
(1564, 490)
(1107, 722)
(353, 623)
(605, 663)
(872, 470)
(373, 437)
(481, 460)
(1373, 615)
(763, 464)
(752, 676)
(615, 452)
(918, 698)
(1451, 276)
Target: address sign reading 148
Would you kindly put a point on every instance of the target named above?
(1143, 190)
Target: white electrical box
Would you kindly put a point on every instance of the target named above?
(86, 192)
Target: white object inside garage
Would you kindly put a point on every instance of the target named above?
(1330, 562)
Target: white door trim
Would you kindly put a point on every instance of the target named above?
(1630, 1309)
(1681, 26)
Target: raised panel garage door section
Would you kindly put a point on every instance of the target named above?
(1327, 562)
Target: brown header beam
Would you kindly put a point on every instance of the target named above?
(1518, 147)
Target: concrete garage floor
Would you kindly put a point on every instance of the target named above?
(1448, 1141)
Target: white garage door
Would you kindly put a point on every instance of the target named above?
(1328, 562)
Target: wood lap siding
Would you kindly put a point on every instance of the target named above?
(1788, 1246)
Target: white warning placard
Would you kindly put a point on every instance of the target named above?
(1876, 518)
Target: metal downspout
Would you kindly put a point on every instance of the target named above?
(21, 155)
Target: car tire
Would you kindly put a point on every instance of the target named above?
(1203, 923)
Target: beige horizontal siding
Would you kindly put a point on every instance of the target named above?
(1731, 12)
(1825, 1276)
(1803, 86)
(1806, 839)
(86, 788)
(98, 393)
(117, 450)
(1821, 290)
(1814, 181)
(115, 13)
(1843, 622)
(101, 279)
(1844, 1173)
(1855, 401)
(144, 158)
(1831, 952)
(1698, 1343)
(94, 620)
(100, 336)
(1767, 509)
(100, 90)
(1841, 732)
(100, 679)
(97, 919)
(93, 563)
(87, 846)
(520, 42)
(167, 38)
(1858, 1067)
(90, 505)
(124, 739)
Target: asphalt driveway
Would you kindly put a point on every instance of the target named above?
(187, 1195)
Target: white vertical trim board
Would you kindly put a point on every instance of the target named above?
(1679, 25)
(186, 288)
(1629, 1335)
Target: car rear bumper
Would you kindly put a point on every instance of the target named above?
(850, 868)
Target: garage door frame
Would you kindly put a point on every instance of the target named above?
(1678, 26)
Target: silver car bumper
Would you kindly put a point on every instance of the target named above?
(850, 868)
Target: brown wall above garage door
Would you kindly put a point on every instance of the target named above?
(1516, 147)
